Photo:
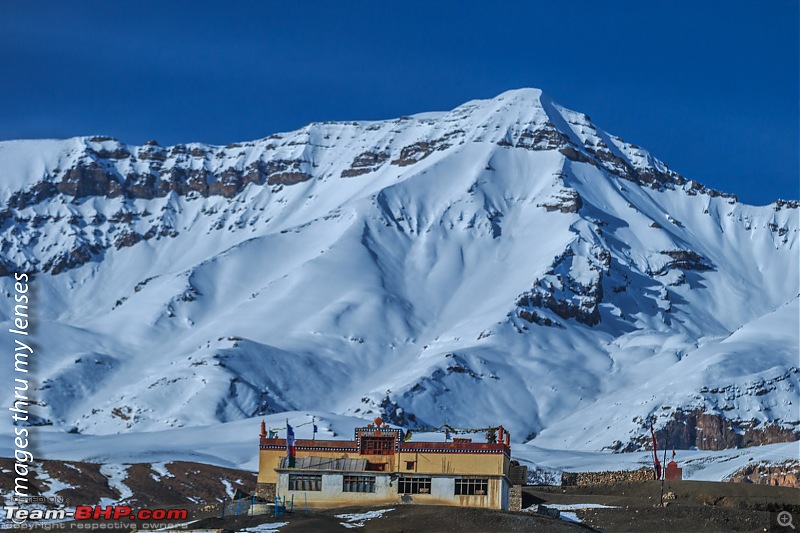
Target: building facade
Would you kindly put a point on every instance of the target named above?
(377, 467)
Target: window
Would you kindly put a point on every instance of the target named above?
(468, 486)
(377, 445)
(414, 485)
(305, 482)
(358, 484)
(410, 465)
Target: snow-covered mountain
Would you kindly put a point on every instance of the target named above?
(505, 262)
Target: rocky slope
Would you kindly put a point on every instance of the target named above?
(785, 474)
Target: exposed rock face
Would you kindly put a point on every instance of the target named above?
(573, 154)
(561, 292)
(98, 173)
(364, 163)
(91, 236)
(785, 474)
(704, 431)
(684, 260)
(418, 151)
(88, 179)
(545, 137)
(38, 193)
(788, 204)
(286, 172)
(81, 254)
(596, 152)
(128, 238)
(568, 201)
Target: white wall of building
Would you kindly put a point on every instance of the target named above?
(442, 492)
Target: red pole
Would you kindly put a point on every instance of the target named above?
(656, 464)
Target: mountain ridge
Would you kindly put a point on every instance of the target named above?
(508, 253)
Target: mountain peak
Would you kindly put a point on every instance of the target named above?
(508, 252)
(530, 95)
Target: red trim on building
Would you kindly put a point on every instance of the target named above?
(453, 447)
(405, 447)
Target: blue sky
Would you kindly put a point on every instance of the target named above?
(709, 87)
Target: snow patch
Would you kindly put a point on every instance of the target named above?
(359, 519)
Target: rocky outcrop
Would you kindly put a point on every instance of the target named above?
(560, 292)
(533, 317)
(36, 194)
(683, 260)
(785, 474)
(707, 431)
(89, 179)
(364, 163)
(566, 308)
(787, 204)
(127, 238)
(286, 172)
(544, 137)
(597, 153)
(780, 230)
(97, 174)
(93, 234)
(568, 201)
(77, 256)
(418, 151)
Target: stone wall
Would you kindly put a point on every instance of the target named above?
(266, 491)
(518, 475)
(515, 498)
(603, 478)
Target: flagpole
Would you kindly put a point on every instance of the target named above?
(663, 475)
(290, 445)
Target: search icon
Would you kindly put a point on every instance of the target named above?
(785, 519)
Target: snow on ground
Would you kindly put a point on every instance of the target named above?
(117, 474)
(54, 486)
(359, 519)
(699, 465)
(569, 516)
(266, 528)
(229, 490)
(161, 469)
(566, 511)
(579, 506)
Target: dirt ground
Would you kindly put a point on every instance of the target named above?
(407, 519)
(693, 506)
(697, 505)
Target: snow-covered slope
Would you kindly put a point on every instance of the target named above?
(506, 262)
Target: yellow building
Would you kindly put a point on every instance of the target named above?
(378, 468)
